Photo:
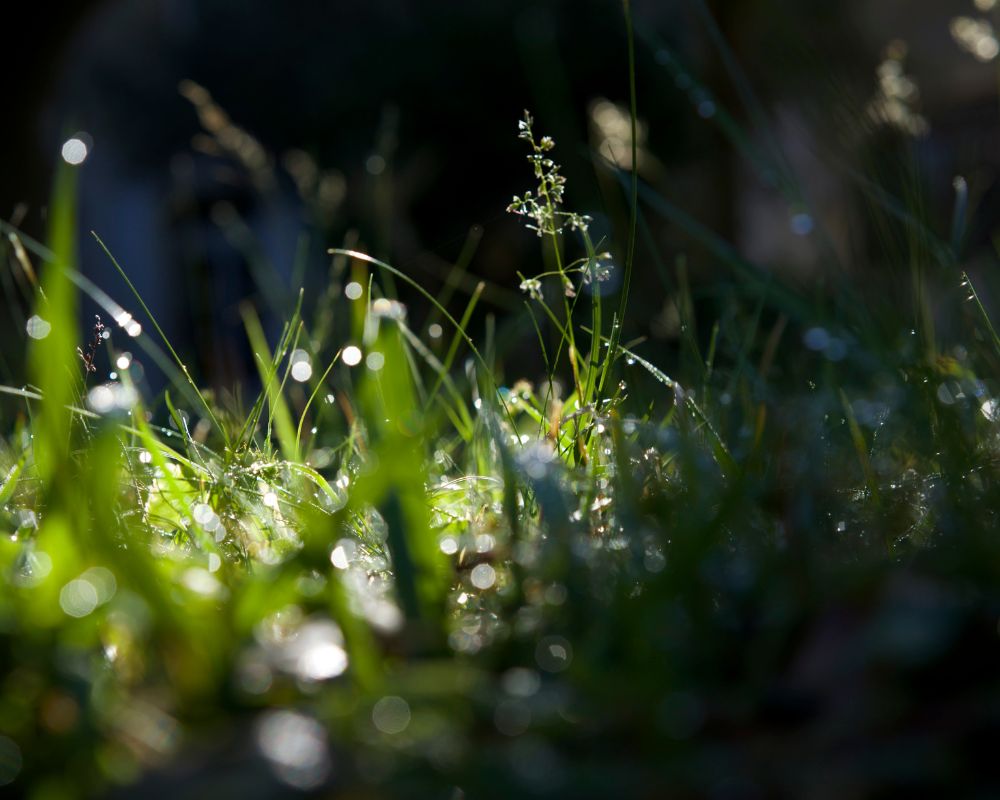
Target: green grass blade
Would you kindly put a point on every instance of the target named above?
(52, 361)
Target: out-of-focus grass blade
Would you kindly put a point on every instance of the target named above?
(52, 360)
(29, 395)
(397, 486)
(22, 260)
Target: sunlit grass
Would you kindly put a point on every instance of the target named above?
(406, 568)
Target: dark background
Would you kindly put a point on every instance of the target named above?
(434, 90)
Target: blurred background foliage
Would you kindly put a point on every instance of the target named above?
(388, 126)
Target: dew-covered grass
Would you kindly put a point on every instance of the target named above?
(765, 565)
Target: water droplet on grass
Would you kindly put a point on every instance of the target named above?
(339, 558)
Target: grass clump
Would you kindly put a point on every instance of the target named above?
(406, 570)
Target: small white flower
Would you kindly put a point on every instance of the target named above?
(533, 288)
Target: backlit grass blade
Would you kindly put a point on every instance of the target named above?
(52, 360)
(396, 487)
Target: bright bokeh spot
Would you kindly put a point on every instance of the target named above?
(351, 355)
(553, 653)
(353, 290)
(483, 576)
(78, 598)
(108, 397)
(339, 558)
(391, 715)
(103, 581)
(295, 748)
(74, 151)
(37, 327)
(301, 369)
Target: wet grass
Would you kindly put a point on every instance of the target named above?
(404, 570)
